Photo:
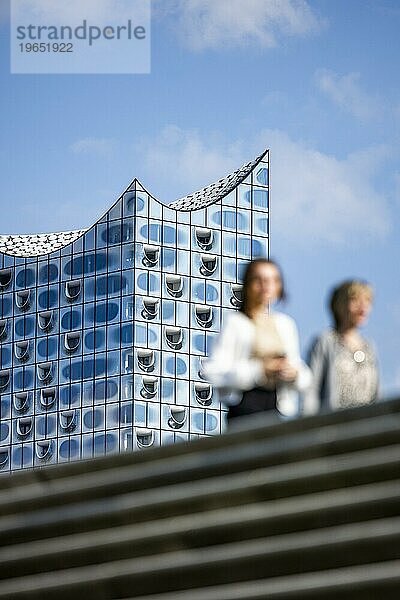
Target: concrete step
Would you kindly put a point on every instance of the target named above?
(217, 492)
(296, 446)
(241, 561)
(247, 429)
(379, 581)
(311, 511)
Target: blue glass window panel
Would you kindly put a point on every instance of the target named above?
(167, 388)
(197, 421)
(24, 378)
(4, 432)
(71, 319)
(116, 211)
(169, 235)
(114, 336)
(198, 290)
(5, 407)
(70, 448)
(168, 310)
(210, 341)
(89, 239)
(128, 308)
(181, 366)
(6, 356)
(78, 245)
(212, 292)
(113, 363)
(262, 176)
(168, 258)
(70, 396)
(231, 220)
(128, 256)
(113, 235)
(183, 263)
(129, 204)
(24, 326)
(111, 285)
(183, 237)
(141, 203)
(140, 413)
(199, 342)
(93, 418)
(244, 246)
(100, 338)
(48, 273)
(260, 224)
(72, 371)
(89, 286)
(87, 446)
(127, 334)
(126, 413)
(140, 334)
(211, 422)
(148, 282)
(260, 198)
(258, 249)
(47, 347)
(48, 297)
(101, 312)
(182, 314)
(25, 278)
(198, 217)
(114, 259)
(6, 305)
(155, 209)
(22, 456)
(229, 270)
(152, 232)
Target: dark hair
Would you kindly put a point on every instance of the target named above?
(248, 276)
(342, 293)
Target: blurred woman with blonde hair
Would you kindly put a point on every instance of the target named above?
(342, 361)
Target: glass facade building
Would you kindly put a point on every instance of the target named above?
(102, 331)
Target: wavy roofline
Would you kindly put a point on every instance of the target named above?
(25, 245)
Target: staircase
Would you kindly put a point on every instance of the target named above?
(306, 509)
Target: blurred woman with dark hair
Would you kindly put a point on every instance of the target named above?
(256, 362)
(344, 363)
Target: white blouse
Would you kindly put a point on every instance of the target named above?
(233, 369)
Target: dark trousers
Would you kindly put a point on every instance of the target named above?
(253, 401)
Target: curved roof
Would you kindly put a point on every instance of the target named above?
(216, 191)
(37, 244)
(44, 243)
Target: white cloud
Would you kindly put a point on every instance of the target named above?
(346, 92)
(180, 161)
(96, 146)
(316, 197)
(205, 24)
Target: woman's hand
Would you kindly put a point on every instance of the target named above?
(288, 374)
(277, 368)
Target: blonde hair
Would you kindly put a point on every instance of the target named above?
(343, 293)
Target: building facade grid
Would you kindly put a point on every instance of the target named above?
(101, 340)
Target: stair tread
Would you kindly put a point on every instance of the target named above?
(351, 499)
(188, 466)
(337, 580)
(211, 490)
(225, 557)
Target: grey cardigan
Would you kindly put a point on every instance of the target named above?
(323, 391)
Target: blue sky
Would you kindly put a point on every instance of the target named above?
(315, 81)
